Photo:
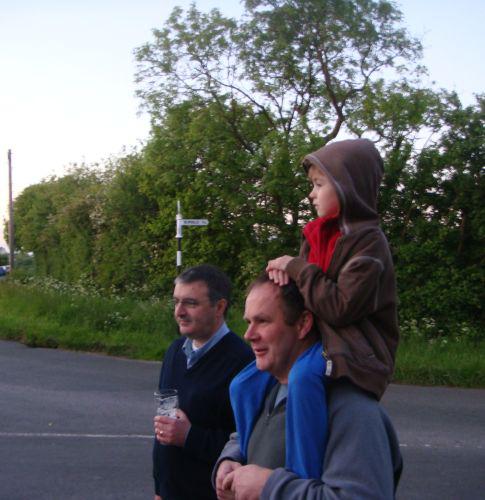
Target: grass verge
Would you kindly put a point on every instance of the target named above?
(456, 362)
(123, 327)
(144, 330)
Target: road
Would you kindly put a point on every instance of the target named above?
(442, 435)
(78, 426)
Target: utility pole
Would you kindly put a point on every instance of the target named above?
(11, 239)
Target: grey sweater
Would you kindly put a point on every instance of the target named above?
(362, 459)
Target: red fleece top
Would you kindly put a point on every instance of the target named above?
(322, 235)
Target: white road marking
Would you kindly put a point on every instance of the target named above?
(69, 435)
(145, 436)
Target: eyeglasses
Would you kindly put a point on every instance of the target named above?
(188, 303)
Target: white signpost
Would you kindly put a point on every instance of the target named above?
(184, 222)
(194, 222)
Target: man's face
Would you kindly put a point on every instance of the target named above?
(196, 317)
(323, 195)
(274, 343)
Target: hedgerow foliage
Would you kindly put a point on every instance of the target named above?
(235, 104)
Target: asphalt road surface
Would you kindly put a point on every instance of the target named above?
(78, 426)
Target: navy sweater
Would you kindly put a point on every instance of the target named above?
(184, 473)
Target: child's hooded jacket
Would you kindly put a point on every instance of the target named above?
(354, 301)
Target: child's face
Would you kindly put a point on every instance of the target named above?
(323, 195)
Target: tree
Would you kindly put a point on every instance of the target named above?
(120, 221)
(282, 81)
(235, 105)
(193, 157)
(300, 64)
(302, 72)
(439, 244)
(53, 221)
(403, 119)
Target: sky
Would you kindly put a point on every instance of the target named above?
(67, 91)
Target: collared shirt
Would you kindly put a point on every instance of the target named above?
(193, 354)
(281, 395)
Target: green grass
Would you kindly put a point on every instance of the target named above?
(74, 319)
(125, 327)
(457, 362)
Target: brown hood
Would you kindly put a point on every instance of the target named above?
(355, 168)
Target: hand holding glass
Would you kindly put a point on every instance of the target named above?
(166, 402)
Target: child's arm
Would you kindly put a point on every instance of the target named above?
(356, 291)
(276, 270)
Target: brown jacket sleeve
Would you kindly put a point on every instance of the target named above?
(355, 292)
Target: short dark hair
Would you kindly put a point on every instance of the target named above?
(292, 299)
(218, 283)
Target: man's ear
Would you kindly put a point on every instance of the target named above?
(305, 324)
(221, 306)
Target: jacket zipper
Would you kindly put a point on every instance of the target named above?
(328, 363)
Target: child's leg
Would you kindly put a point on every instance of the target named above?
(306, 408)
(248, 390)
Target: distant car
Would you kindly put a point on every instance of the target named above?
(4, 270)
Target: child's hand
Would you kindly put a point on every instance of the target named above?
(276, 270)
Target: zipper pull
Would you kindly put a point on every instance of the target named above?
(328, 363)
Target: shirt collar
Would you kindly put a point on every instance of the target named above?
(194, 355)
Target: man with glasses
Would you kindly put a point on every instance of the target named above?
(200, 366)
